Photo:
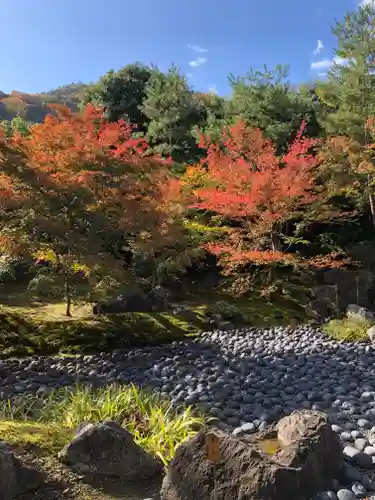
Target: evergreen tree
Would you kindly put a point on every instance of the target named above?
(173, 112)
(266, 100)
(121, 94)
(349, 93)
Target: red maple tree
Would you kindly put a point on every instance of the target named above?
(93, 181)
(254, 190)
(13, 196)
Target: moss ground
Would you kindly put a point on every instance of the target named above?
(33, 326)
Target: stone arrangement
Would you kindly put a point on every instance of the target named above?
(306, 459)
(247, 379)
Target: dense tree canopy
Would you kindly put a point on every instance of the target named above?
(152, 168)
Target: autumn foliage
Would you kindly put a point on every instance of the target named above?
(255, 190)
(87, 183)
(86, 163)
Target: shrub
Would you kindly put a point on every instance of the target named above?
(347, 329)
(227, 311)
(7, 273)
(43, 285)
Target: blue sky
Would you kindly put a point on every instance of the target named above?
(47, 43)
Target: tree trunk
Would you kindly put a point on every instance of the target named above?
(275, 242)
(372, 208)
(68, 295)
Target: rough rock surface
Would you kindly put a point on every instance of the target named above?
(359, 313)
(309, 458)
(108, 449)
(371, 333)
(15, 479)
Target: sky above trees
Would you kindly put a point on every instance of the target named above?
(50, 43)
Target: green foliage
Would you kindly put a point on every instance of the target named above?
(122, 94)
(172, 112)
(154, 424)
(349, 93)
(17, 124)
(7, 273)
(264, 99)
(43, 285)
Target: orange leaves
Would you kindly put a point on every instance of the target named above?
(243, 179)
(91, 178)
(248, 179)
(235, 256)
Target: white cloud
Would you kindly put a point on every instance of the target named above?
(340, 60)
(199, 61)
(197, 48)
(322, 64)
(328, 63)
(367, 2)
(319, 47)
(213, 89)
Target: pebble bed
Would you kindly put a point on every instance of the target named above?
(246, 378)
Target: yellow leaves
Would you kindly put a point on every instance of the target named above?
(194, 177)
(81, 269)
(203, 228)
(46, 254)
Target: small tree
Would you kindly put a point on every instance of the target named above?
(93, 184)
(254, 190)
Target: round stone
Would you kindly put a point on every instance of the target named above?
(359, 490)
(364, 423)
(360, 443)
(346, 436)
(370, 450)
(346, 495)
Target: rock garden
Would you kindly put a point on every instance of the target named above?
(236, 383)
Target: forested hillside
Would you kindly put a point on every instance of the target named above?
(34, 107)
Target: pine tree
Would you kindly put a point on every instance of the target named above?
(350, 93)
(173, 112)
(121, 94)
(265, 100)
(350, 89)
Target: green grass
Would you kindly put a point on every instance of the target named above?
(48, 423)
(34, 326)
(44, 330)
(347, 329)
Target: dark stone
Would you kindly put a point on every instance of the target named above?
(306, 463)
(125, 303)
(159, 297)
(15, 478)
(109, 450)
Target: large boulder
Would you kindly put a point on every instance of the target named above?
(307, 457)
(109, 450)
(15, 478)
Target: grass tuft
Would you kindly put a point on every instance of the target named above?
(48, 421)
(348, 329)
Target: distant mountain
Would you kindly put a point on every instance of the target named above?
(34, 107)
